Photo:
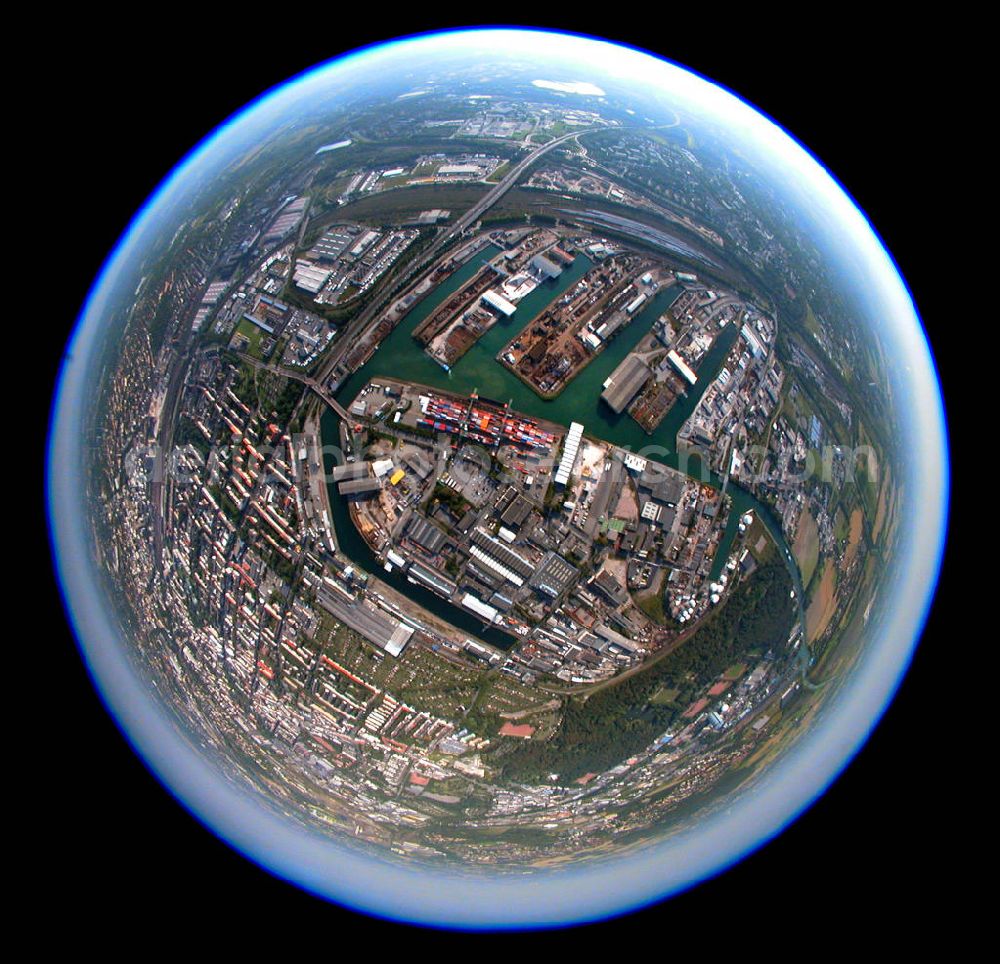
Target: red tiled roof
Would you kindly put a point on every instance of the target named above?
(522, 730)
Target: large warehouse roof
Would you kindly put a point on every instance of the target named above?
(545, 267)
(479, 608)
(554, 574)
(625, 382)
(502, 553)
(499, 302)
(502, 570)
(681, 366)
(358, 487)
(570, 451)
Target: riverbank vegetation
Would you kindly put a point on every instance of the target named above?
(621, 720)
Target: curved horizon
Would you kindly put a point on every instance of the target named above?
(473, 899)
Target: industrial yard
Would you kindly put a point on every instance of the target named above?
(554, 347)
(426, 587)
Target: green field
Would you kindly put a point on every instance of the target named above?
(402, 204)
(253, 334)
(652, 605)
(665, 696)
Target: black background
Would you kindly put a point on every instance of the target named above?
(127, 109)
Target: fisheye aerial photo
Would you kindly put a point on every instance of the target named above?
(498, 479)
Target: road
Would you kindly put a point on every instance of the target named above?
(357, 327)
(299, 376)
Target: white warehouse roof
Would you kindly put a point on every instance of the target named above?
(634, 462)
(681, 366)
(570, 451)
(499, 302)
(479, 608)
(501, 570)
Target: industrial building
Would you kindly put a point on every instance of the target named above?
(615, 638)
(610, 588)
(625, 382)
(433, 216)
(333, 243)
(753, 341)
(516, 511)
(433, 580)
(499, 303)
(397, 640)
(459, 170)
(310, 277)
(358, 488)
(425, 534)
(500, 558)
(481, 609)
(633, 462)
(664, 485)
(418, 464)
(681, 366)
(570, 450)
(636, 303)
(365, 241)
(544, 267)
(262, 325)
(554, 575)
(287, 219)
(350, 470)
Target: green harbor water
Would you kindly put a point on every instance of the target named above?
(400, 356)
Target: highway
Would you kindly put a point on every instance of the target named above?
(358, 326)
(299, 376)
(356, 329)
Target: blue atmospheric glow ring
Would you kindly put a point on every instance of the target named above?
(123, 695)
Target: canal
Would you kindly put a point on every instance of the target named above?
(399, 356)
